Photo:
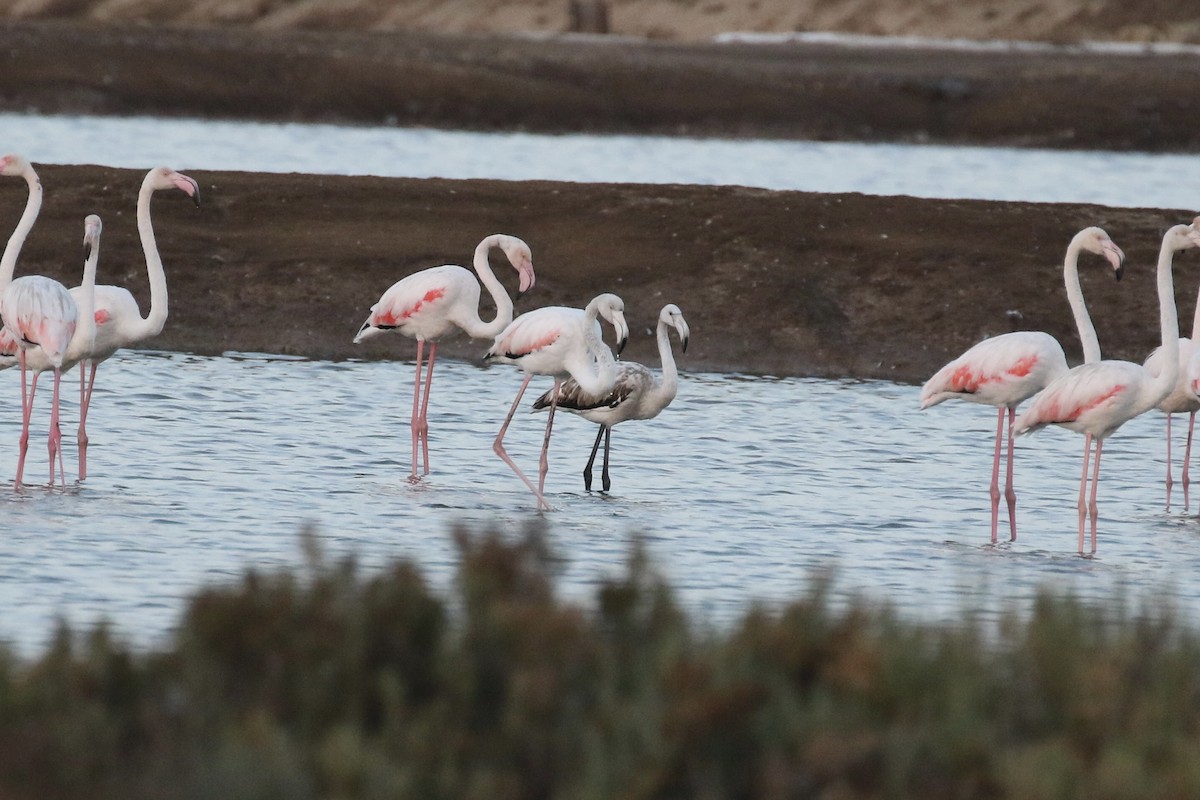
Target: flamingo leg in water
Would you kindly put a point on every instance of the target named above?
(994, 490)
(85, 402)
(498, 446)
(1187, 461)
(26, 414)
(414, 422)
(1087, 454)
(544, 460)
(1010, 493)
(587, 471)
(54, 440)
(423, 429)
(1170, 482)
(1092, 507)
(604, 481)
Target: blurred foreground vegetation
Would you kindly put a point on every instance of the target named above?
(337, 682)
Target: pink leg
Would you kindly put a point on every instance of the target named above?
(54, 440)
(544, 461)
(26, 414)
(1087, 455)
(85, 402)
(1170, 482)
(1092, 507)
(423, 429)
(994, 491)
(498, 447)
(1187, 462)
(1010, 493)
(415, 422)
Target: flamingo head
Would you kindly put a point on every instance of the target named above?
(161, 178)
(1095, 240)
(612, 308)
(91, 235)
(1183, 237)
(672, 316)
(521, 257)
(13, 164)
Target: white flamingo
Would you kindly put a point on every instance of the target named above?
(1098, 398)
(564, 343)
(1182, 399)
(637, 393)
(118, 320)
(433, 302)
(53, 333)
(16, 165)
(1005, 370)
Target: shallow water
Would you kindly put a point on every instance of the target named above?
(987, 173)
(202, 467)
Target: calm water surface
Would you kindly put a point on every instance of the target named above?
(202, 467)
(986, 173)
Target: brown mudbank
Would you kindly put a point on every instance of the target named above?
(785, 283)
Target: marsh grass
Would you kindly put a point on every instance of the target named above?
(331, 681)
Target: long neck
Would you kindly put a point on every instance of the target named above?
(477, 328)
(8, 263)
(1162, 385)
(599, 378)
(152, 325)
(1196, 321)
(84, 337)
(1083, 320)
(664, 391)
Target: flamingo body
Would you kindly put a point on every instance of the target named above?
(433, 303)
(1002, 371)
(564, 343)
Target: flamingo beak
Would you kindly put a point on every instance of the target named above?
(527, 278)
(1115, 257)
(684, 334)
(189, 187)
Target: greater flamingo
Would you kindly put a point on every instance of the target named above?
(561, 342)
(16, 165)
(637, 393)
(119, 321)
(1005, 370)
(1182, 398)
(433, 302)
(52, 333)
(1098, 398)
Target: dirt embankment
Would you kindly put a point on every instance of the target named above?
(681, 20)
(785, 283)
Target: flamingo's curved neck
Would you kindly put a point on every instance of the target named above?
(153, 323)
(599, 379)
(665, 389)
(1164, 382)
(476, 327)
(85, 328)
(8, 263)
(1083, 320)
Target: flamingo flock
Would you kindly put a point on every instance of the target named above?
(1095, 398)
(46, 327)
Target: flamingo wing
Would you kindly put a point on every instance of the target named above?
(529, 333)
(1003, 370)
(632, 380)
(1092, 398)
